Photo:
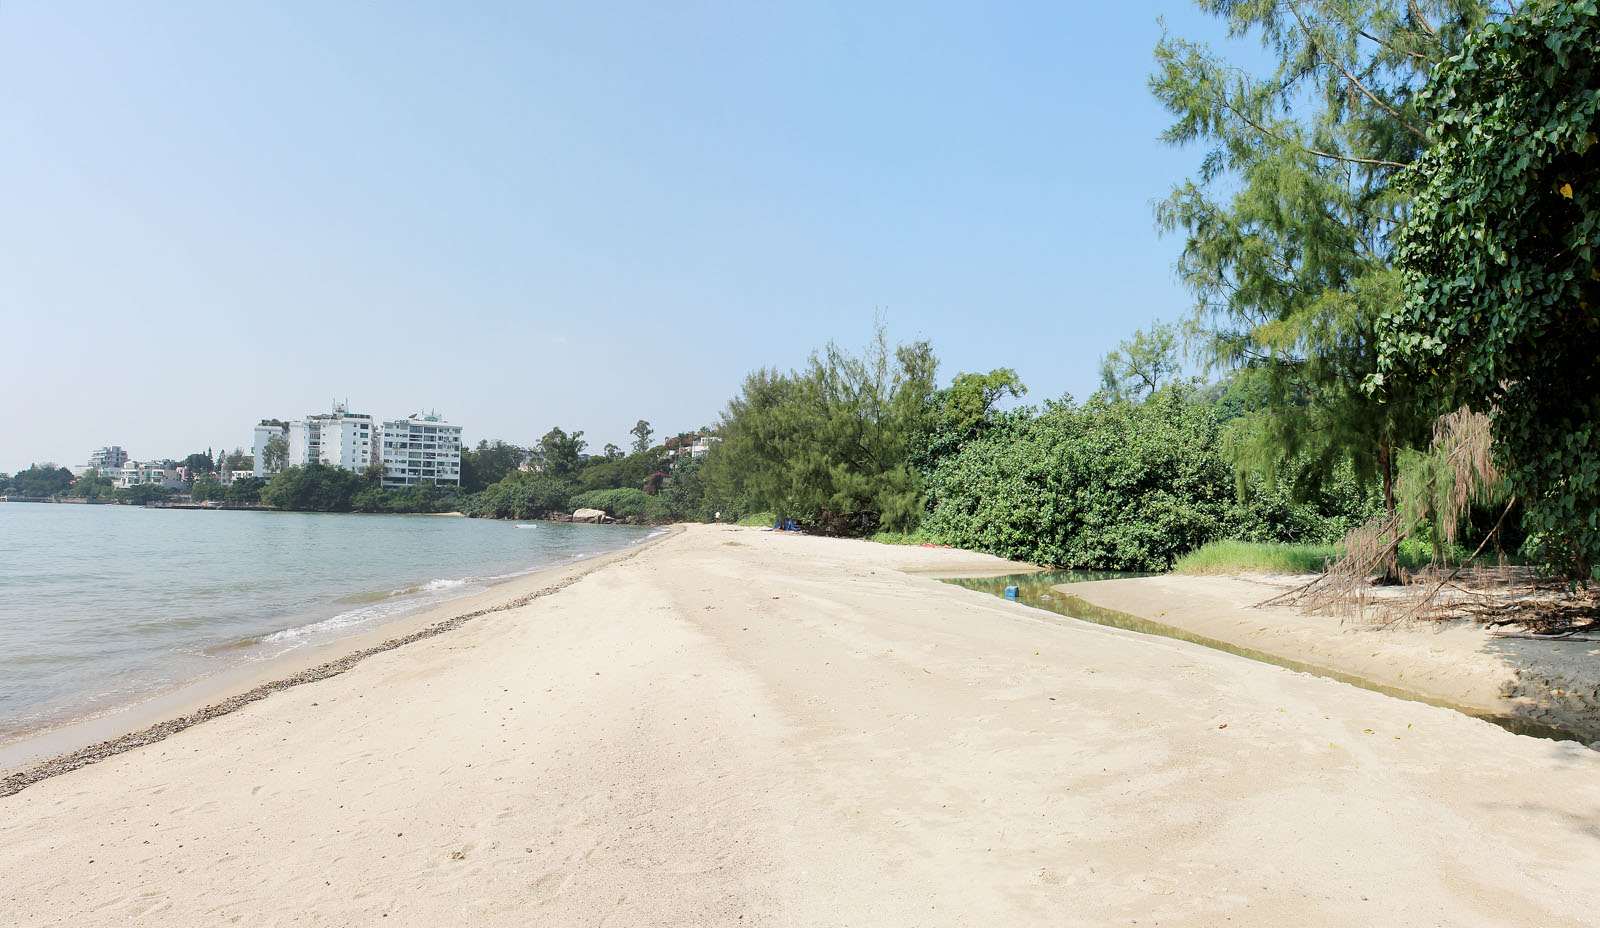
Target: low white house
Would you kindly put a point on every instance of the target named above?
(160, 473)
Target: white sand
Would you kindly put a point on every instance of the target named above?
(741, 728)
(1464, 662)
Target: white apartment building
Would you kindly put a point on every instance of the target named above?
(108, 460)
(421, 449)
(340, 438)
(347, 442)
(265, 432)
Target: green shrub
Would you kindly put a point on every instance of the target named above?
(1105, 486)
(624, 503)
(520, 496)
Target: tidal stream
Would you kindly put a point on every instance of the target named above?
(1038, 590)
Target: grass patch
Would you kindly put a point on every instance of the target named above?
(1264, 557)
(914, 537)
(758, 519)
(1234, 557)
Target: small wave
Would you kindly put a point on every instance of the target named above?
(524, 525)
(389, 605)
(432, 586)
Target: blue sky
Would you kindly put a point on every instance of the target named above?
(526, 215)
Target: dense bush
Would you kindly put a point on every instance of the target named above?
(623, 503)
(1108, 485)
(41, 480)
(1323, 514)
(420, 497)
(314, 488)
(520, 496)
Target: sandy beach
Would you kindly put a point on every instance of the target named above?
(731, 727)
(1463, 663)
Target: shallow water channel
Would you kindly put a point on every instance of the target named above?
(1037, 590)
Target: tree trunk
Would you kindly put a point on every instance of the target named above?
(1391, 556)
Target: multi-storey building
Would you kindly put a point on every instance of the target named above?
(420, 449)
(346, 442)
(108, 460)
(340, 438)
(265, 432)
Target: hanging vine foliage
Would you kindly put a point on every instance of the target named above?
(1499, 257)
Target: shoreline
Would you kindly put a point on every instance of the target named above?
(731, 727)
(118, 728)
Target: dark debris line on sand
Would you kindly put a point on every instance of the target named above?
(17, 782)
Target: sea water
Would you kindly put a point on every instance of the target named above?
(102, 606)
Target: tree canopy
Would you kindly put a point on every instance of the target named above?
(1289, 222)
(1502, 289)
(832, 444)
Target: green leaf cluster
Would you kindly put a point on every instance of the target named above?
(1106, 485)
(1502, 289)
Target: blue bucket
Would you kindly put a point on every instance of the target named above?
(1011, 592)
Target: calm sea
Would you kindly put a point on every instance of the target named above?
(101, 606)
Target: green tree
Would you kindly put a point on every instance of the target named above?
(1288, 224)
(1502, 308)
(199, 463)
(641, 433)
(560, 453)
(207, 487)
(963, 411)
(831, 445)
(489, 463)
(245, 490)
(275, 454)
(42, 480)
(92, 485)
(612, 452)
(630, 471)
(314, 488)
(1143, 363)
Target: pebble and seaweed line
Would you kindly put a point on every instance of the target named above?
(66, 763)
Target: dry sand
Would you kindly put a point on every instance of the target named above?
(735, 727)
(1462, 662)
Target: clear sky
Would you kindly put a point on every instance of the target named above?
(576, 214)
